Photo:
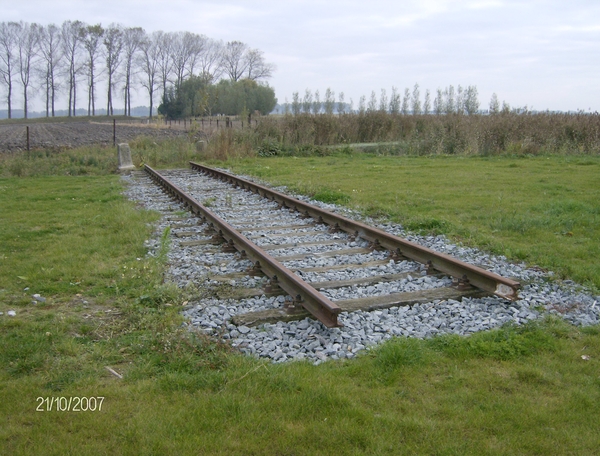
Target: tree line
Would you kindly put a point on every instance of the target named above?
(462, 100)
(58, 60)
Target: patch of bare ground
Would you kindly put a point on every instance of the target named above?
(66, 135)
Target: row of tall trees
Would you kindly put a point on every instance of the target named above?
(447, 100)
(59, 59)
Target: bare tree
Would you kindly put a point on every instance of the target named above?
(197, 47)
(329, 103)
(184, 46)
(362, 101)
(494, 104)
(427, 103)
(51, 54)
(316, 103)
(164, 42)
(405, 102)
(449, 104)
(239, 61)
(372, 106)
(341, 107)
(210, 60)
(113, 47)
(256, 67)
(8, 41)
(286, 109)
(71, 41)
(296, 105)
(148, 60)
(395, 101)
(460, 100)
(132, 40)
(416, 100)
(383, 101)
(91, 39)
(233, 61)
(471, 100)
(307, 101)
(438, 102)
(27, 46)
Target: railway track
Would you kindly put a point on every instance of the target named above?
(381, 292)
(286, 239)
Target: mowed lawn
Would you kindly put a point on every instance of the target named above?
(77, 241)
(542, 210)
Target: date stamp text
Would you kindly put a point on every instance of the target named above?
(69, 404)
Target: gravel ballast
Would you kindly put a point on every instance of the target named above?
(201, 266)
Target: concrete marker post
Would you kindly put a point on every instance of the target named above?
(125, 162)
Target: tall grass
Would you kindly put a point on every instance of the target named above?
(229, 143)
(98, 160)
(512, 133)
(174, 152)
(314, 135)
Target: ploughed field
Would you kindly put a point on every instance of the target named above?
(59, 135)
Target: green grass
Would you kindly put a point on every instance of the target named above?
(59, 236)
(542, 210)
(532, 394)
(516, 390)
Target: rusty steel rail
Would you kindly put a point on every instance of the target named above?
(465, 272)
(302, 293)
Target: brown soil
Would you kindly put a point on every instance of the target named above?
(60, 135)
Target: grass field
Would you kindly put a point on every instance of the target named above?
(76, 241)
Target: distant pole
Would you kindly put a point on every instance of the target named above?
(114, 132)
(27, 138)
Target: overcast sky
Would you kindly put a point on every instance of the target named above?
(544, 54)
